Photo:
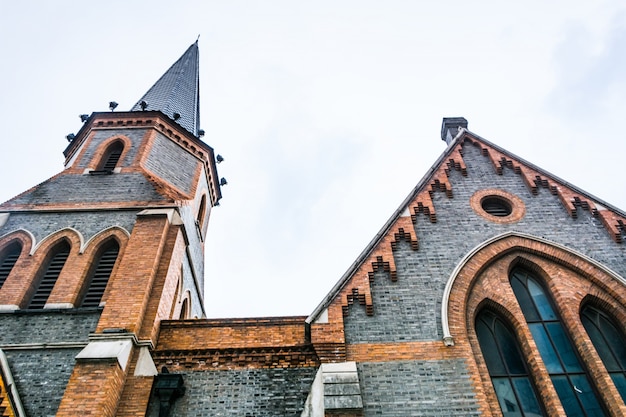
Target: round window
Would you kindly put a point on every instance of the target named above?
(496, 206)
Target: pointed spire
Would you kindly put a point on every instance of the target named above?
(177, 92)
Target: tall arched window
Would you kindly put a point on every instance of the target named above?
(111, 156)
(609, 342)
(8, 258)
(507, 368)
(184, 309)
(201, 212)
(99, 275)
(52, 270)
(567, 373)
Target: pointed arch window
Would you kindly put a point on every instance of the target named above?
(201, 212)
(8, 258)
(200, 216)
(111, 156)
(55, 263)
(571, 381)
(508, 371)
(100, 274)
(184, 309)
(609, 342)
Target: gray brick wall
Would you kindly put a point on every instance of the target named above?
(88, 223)
(243, 393)
(410, 309)
(170, 162)
(135, 135)
(417, 388)
(41, 376)
(85, 188)
(63, 325)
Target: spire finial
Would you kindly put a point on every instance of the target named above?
(198, 38)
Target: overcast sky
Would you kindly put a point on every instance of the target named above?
(327, 112)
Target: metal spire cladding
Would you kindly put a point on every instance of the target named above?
(177, 92)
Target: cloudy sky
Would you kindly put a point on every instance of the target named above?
(327, 113)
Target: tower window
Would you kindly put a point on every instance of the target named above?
(52, 271)
(184, 309)
(509, 375)
(570, 379)
(111, 157)
(8, 259)
(609, 342)
(99, 276)
(200, 216)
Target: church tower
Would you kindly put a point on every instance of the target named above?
(93, 259)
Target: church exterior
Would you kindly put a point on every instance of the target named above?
(495, 289)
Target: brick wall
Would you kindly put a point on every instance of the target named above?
(41, 376)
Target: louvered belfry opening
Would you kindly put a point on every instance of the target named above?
(49, 278)
(99, 276)
(8, 260)
(112, 156)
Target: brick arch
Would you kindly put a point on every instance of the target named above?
(40, 254)
(101, 150)
(26, 238)
(571, 280)
(463, 278)
(20, 269)
(75, 238)
(67, 292)
(118, 233)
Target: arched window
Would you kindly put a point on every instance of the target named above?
(609, 342)
(509, 375)
(111, 156)
(55, 264)
(568, 376)
(99, 276)
(8, 258)
(184, 309)
(201, 212)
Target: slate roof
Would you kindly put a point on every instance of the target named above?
(178, 91)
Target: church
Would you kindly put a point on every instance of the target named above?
(496, 289)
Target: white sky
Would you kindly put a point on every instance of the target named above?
(327, 113)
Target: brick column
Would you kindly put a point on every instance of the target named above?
(131, 286)
(102, 368)
(94, 389)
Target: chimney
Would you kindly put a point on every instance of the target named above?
(450, 128)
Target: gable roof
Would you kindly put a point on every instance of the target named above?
(419, 201)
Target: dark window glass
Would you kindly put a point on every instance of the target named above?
(201, 212)
(509, 375)
(50, 275)
(8, 258)
(184, 309)
(570, 380)
(609, 342)
(99, 276)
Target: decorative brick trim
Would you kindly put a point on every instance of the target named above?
(571, 200)
(243, 358)
(403, 351)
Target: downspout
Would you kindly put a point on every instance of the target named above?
(14, 396)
